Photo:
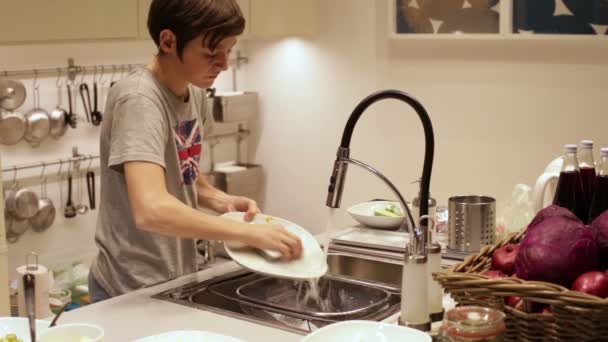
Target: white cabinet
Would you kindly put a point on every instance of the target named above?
(31, 21)
(143, 6)
(26, 21)
(246, 9)
(280, 18)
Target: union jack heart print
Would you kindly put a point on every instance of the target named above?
(188, 142)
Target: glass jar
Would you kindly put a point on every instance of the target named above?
(473, 324)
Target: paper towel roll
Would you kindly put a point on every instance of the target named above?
(44, 282)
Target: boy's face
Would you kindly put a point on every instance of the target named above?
(200, 65)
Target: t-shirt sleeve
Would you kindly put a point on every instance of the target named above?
(139, 132)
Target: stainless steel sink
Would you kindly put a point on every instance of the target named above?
(355, 288)
(376, 270)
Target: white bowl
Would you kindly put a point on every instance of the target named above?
(364, 214)
(72, 332)
(366, 331)
(189, 336)
(20, 326)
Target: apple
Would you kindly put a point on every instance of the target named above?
(494, 274)
(593, 283)
(504, 258)
(514, 302)
(547, 311)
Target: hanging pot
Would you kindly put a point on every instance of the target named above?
(9, 201)
(58, 117)
(12, 94)
(26, 204)
(45, 216)
(12, 127)
(38, 124)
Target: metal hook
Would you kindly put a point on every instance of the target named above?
(35, 81)
(90, 162)
(15, 174)
(103, 72)
(43, 169)
(83, 72)
(60, 167)
(43, 181)
(58, 82)
(36, 90)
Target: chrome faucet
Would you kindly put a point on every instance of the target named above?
(414, 295)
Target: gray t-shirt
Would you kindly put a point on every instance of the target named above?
(145, 121)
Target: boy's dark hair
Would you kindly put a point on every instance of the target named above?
(188, 19)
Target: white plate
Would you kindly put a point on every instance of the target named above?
(20, 326)
(373, 238)
(310, 265)
(366, 331)
(364, 214)
(189, 336)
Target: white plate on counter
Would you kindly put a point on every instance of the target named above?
(372, 238)
(189, 336)
(366, 331)
(312, 264)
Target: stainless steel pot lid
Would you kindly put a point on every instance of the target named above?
(58, 122)
(45, 216)
(26, 203)
(12, 94)
(38, 126)
(12, 127)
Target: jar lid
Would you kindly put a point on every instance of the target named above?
(474, 322)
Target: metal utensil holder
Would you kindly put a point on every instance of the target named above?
(472, 223)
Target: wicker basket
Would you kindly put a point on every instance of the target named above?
(576, 316)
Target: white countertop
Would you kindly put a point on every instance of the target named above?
(136, 314)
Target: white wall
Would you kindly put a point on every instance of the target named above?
(501, 110)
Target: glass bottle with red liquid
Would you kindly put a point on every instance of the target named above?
(587, 166)
(599, 204)
(569, 193)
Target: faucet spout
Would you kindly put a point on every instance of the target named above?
(336, 182)
(414, 294)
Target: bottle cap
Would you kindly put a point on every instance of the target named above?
(604, 152)
(586, 144)
(570, 148)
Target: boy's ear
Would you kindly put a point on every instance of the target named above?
(167, 42)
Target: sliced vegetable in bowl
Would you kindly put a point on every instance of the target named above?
(19, 327)
(378, 214)
(390, 210)
(10, 338)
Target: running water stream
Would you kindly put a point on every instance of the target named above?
(310, 290)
